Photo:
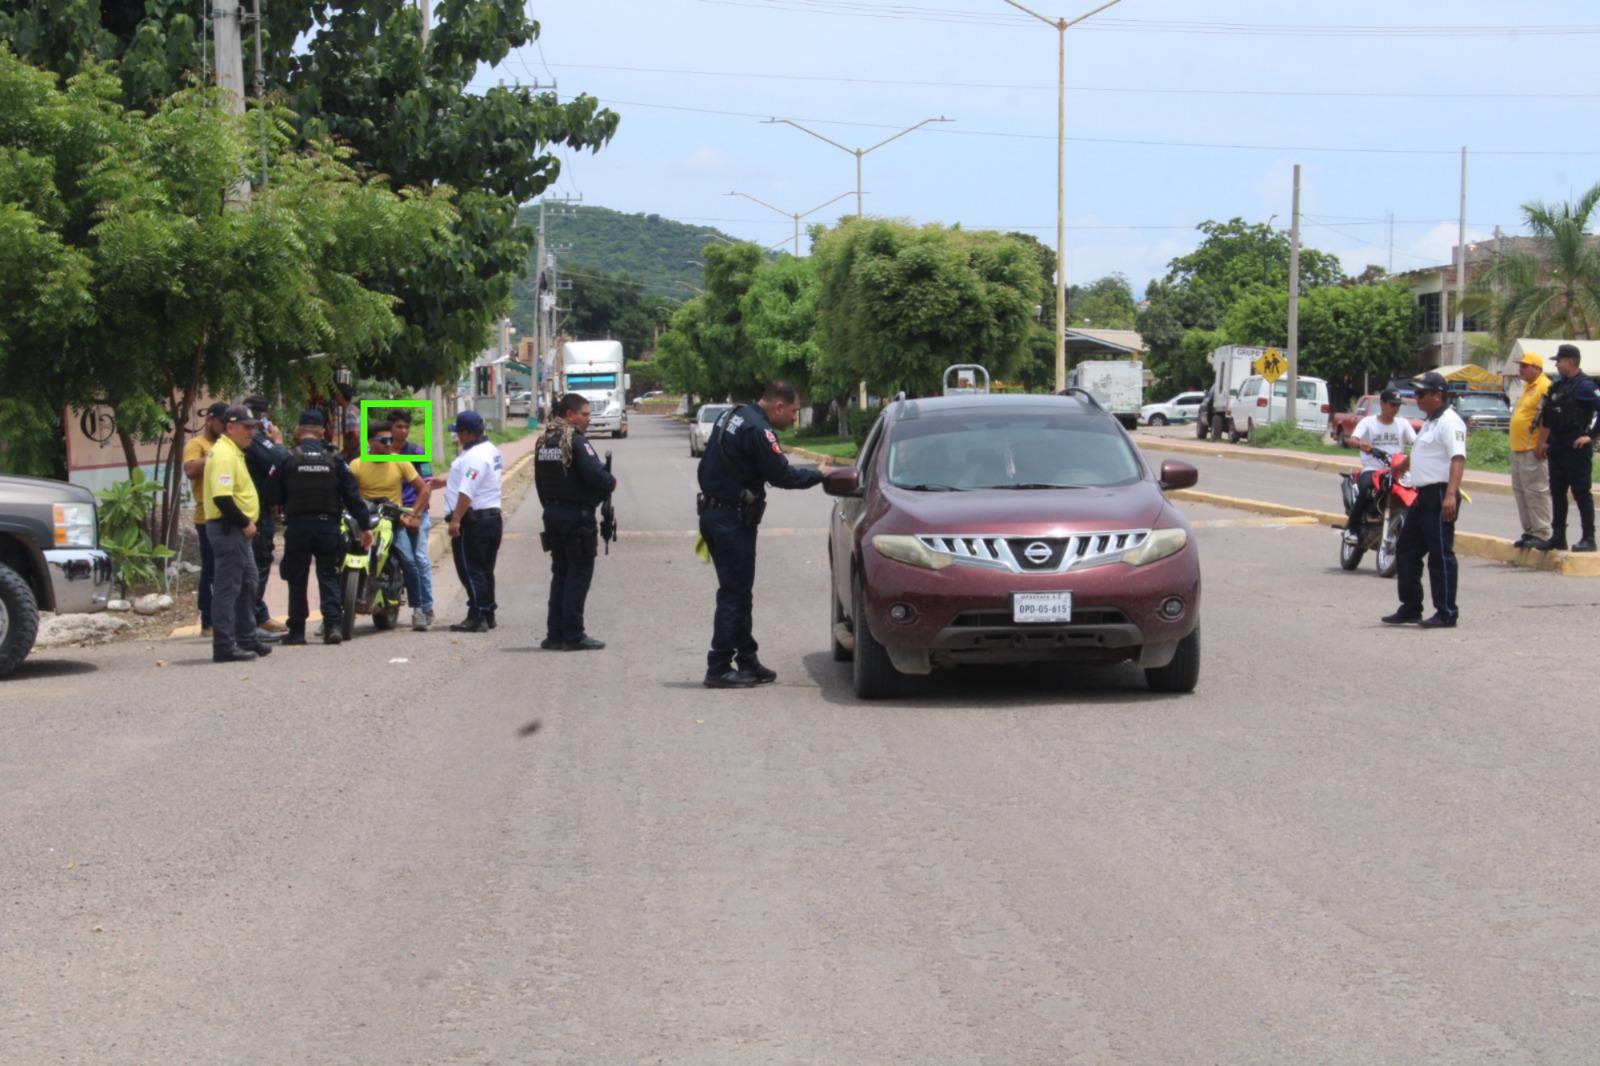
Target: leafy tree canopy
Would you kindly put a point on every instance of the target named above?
(1553, 291)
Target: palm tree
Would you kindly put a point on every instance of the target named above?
(1555, 291)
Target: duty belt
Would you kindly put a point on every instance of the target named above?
(730, 505)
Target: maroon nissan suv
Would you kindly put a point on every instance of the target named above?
(1010, 529)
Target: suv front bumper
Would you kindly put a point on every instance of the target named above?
(80, 579)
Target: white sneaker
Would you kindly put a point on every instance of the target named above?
(421, 620)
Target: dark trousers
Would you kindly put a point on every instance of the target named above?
(262, 549)
(1571, 470)
(1426, 533)
(304, 540)
(571, 536)
(733, 553)
(475, 553)
(233, 587)
(208, 573)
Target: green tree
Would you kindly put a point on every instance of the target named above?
(780, 315)
(605, 306)
(899, 303)
(1344, 330)
(1555, 290)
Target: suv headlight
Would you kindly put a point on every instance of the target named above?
(1158, 545)
(75, 525)
(911, 551)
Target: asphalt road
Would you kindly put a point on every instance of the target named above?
(1489, 513)
(1351, 844)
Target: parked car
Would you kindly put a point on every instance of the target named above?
(1184, 407)
(700, 428)
(520, 405)
(1260, 402)
(50, 559)
(1010, 529)
(1484, 410)
(1345, 422)
(639, 400)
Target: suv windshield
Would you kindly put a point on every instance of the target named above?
(1490, 402)
(974, 450)
(711, 414)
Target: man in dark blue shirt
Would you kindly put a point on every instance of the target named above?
(1567, 429)
(741, 459)
(571, 482)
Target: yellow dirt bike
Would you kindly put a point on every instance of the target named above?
(372, 582)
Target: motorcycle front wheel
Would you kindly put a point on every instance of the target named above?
(1350, 550)
(1388, 558)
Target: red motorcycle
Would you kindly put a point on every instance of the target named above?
(1377, 525)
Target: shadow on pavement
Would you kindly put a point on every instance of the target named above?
(995, 687)
(37, 668)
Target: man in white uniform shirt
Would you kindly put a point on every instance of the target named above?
(1437, 462)
(1385, 432)
(472, 498)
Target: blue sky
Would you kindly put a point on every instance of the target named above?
(1535, 90)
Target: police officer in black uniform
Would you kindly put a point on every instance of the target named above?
(571, 482)
(311, 488)
(264, 456)
(741, 459)
(1567, 428)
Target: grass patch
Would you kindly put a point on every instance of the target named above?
(1289, 437)
(824, 443)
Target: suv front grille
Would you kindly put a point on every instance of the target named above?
(1035, 555)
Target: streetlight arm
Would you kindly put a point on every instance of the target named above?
(1086, 14)
(1035, 14)
(902, 133)
(819, 207)
(763, 203)
(814, 133)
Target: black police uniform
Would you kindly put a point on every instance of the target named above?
(741, 459)
(263, 459)
(312, 487)
(1569, 411)
(569, 494)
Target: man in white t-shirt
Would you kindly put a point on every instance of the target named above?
(1388, 433)
(472, 497)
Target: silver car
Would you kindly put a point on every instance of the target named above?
(700, 428)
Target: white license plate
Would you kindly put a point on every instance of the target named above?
(1041, 607)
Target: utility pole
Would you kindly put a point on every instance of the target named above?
(857, 152)
(1061, 25)
(1461, 267)
(427, 17)
(1391, 242)
(796, 215)
(1294, 305)
(226, 18)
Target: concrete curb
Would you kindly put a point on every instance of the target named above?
(1323, 463)
(1473, 545)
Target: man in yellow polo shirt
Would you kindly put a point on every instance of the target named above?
(1530, 477)
(232, 507)
(385, 480)
(195, 451)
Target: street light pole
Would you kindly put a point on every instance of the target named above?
(795, 215)
(1061, 25)
(857, 152)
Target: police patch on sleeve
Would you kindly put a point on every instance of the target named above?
(589, 448)
(224, 479)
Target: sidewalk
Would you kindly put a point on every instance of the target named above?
(517, 454)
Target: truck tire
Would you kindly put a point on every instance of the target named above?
(1219, 425)
(19, 619)
(872, 673)
(1182, 674)
(1202, 427)
(1234, 436)
(1129, 422)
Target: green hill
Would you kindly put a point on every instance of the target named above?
(653, 250)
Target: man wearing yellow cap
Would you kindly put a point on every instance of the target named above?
(1530, 477)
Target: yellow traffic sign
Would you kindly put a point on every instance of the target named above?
(1272, 365)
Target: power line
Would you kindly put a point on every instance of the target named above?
(1139, 90)
(1125, 141)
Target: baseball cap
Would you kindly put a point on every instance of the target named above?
(1389, 396)
(256, 403)
(1569, 351)
(241, 415)
(312, 418)
(217, 410)
(1432, 381)
(1530, 359)
(471, 421)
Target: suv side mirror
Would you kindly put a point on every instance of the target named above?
(846, 481)
(1176, 475)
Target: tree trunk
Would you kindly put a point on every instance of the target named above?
(843, 408)
(128, 450)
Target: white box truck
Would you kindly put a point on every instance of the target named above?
(594, 370)
(1116, 385)
(1230, 365)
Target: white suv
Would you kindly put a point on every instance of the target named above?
(1184, 407)
(700, 429)
(1259, 403)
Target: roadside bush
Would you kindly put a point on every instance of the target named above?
(1488, 449)
(125, 509)
(1285, 435)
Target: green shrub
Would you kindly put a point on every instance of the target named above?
(124, 532)
(1488, 449)
(1285, 435)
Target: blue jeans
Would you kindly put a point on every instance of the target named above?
(419, 543)
(208, 571)
(406, 549)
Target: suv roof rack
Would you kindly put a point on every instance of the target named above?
(966, 380)
(1073, 390)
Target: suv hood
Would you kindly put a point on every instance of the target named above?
(15, 489)
(1035, 512)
